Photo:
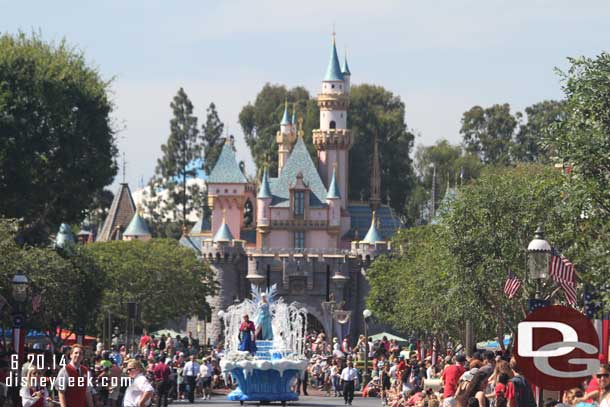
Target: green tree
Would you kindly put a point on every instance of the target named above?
(179, 163)
(540, 118)
(69, 283)
(260, 121)
(376, 111)
(580, 143)
(490, 224)
(57, 148)
(413, 288)
(166, 279)
(211, 133)
(488, 132)
(450, 161)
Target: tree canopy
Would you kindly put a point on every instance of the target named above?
(373, 111)
(58, 146)
(69, 283)
(580, 144)
(166, 279)
(461, 263)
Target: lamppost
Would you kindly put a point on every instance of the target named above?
(20, 285)
(538, 257)
(365, 376)
(329, 308)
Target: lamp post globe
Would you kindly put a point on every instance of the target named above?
(365, 376)
(538, 257)
(20, 284)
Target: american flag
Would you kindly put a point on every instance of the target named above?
(594, 310)
(561, 271)
(512, 285)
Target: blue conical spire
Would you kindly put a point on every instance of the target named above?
(264, 191)
(373, 234)
(137, 227)
(333, 190)
(223, 234)
(285, 118)
(333, 71)
(294, 113)
(345, 69)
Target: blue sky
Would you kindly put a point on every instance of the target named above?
(440, 57)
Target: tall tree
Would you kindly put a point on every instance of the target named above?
(450, 162)
(69, 283)
(260, 121)
(165, 278)
(581, 144)
(180, 161)
(489, 132)
(57, 148)
(211, 133)
(541, 117)
(376, 111)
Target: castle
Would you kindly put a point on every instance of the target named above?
(297, 230)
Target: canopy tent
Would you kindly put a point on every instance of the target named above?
(493, 344)
(34, 336)
(167, 332)
(389, 336)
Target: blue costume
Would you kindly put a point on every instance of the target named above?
(263, 320)
(247, 342)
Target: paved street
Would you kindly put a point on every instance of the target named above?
(304, 402)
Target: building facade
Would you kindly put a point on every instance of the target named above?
(297, 230)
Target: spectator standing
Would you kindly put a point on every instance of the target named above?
(161, 374)
(191, 372)
(349, 377)
(72, 381)
(140, 391)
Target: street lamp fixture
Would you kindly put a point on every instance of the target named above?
(538, 257)
(20, 285)
(365, 376)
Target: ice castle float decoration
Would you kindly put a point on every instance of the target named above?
(270, 373)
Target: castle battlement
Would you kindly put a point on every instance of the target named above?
(222, 251)
(332, 138)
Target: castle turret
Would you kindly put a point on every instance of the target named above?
(137, 229)
(333, 199)
(372, 244)
(333, 140)
(285, 138)
(263, 208)
(346, 75)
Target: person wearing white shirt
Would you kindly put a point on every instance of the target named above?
(207, 371)
(191, 372)
(349, 377)
(33, 394)
(140, 392)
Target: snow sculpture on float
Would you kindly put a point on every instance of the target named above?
(270, 373)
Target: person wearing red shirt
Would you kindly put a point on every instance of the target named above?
(144, 339)
(451, 376)
(161, 373)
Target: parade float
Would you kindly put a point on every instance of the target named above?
(267, 369)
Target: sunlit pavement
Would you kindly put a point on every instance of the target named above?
(304, 401)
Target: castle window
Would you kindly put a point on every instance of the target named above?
(299, 239)
(332, 86)
(299, 203)
(332, 124)
(340, 86)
